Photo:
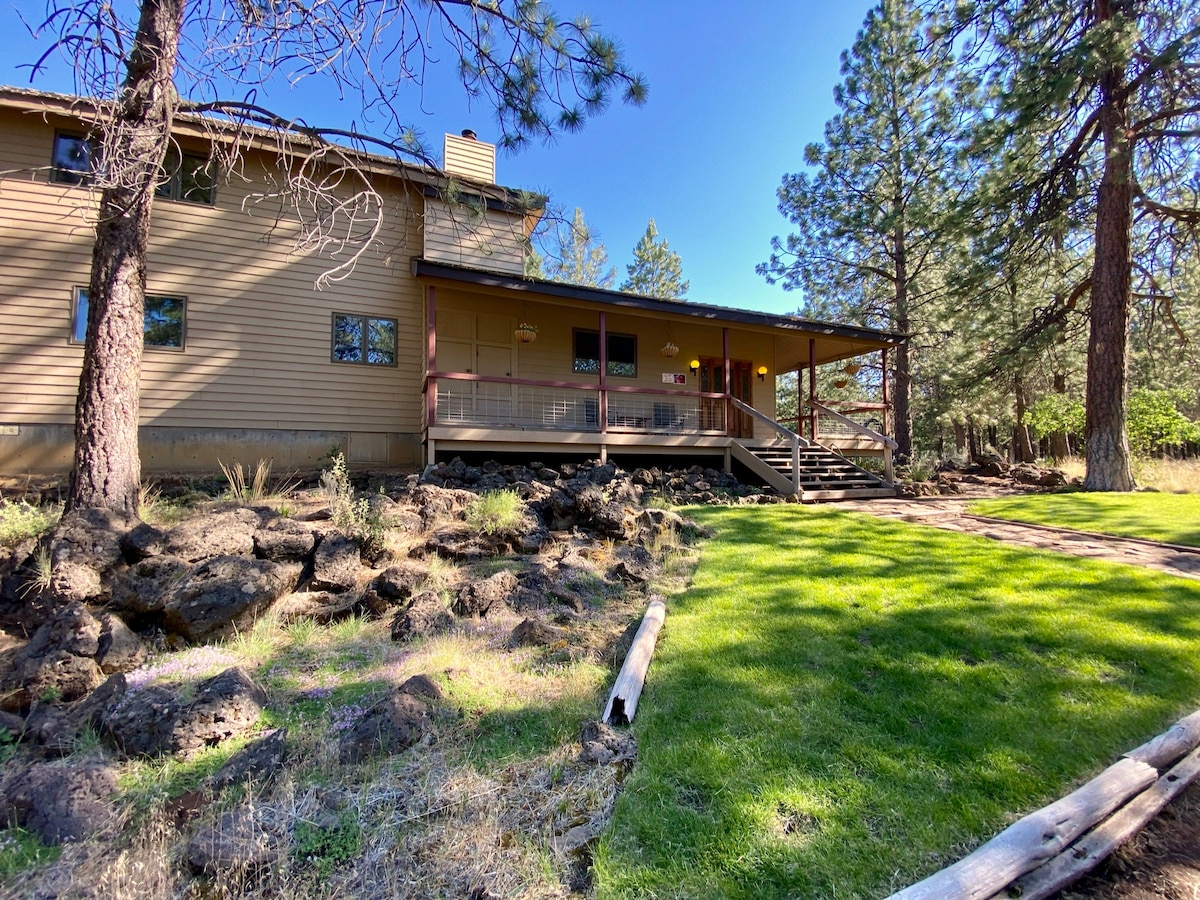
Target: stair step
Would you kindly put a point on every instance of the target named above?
(851, 494)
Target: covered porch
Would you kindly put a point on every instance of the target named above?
(522, 365)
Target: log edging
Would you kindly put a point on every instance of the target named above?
(623, 700)
(1054, 846)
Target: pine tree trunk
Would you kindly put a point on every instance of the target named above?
(1022, 442)
(1105, 432)
(902, 395)
(1060, 448)
(107, 469)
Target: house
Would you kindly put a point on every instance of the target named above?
(418, 352)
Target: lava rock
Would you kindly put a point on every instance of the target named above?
(257, 762)
(146, 587)
(392, 725)
(477, 598)
(118, 649)
(424, 616)
(399, 582)
(284, 540)
(226, 594)
(228, 533)
(535, 633)
(58, 662)
(239, 842)
(336, 564)
(58, 802)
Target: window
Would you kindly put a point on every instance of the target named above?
(73, 160)
(165, 318)
(361, 339)
(622, 353)
(187, 178)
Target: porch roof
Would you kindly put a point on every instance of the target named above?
(833, 342)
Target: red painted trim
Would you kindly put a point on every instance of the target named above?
(812, 387)
(570, 385)
(603, 372)
(883, 357)
(430, 355)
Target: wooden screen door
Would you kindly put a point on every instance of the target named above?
(712, 380)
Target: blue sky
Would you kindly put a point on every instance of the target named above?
(734, 98)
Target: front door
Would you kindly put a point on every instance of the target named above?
(712, 380)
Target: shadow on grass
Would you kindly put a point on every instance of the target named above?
(841, 704)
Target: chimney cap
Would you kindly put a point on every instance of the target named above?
(468, 134)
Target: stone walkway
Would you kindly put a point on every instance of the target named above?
(951, 514)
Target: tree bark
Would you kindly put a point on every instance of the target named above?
(1060, 448)
(107, 469)
(1107, 368)
(902, 395)
(1022, 442)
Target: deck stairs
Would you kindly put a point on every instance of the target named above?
(824, 474)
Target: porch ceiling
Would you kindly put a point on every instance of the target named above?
(791, 333)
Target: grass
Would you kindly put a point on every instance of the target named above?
(1174, 476)
(1172, 518)
(21, 850)
(21, 520)
(495, 511)
(841, 705)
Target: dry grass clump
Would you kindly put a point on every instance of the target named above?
(1171, 476)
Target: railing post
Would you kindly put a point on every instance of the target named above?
(812, 388)
(889, 473)
(796, 463)
(430, 356)
(728, 386)
(602, 406)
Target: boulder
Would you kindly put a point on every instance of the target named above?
(90, 538)
(241, 841)
(146, 586)
(58, 663)
(392, 725)
(11, 725)
(535, 633)
(439, 504)
(1037, 476)
(257, 762)
(143, 541)
(75, 582)
(285, 540)
(399, 582)
(119, 649)
(226, 594)
(159, 720)
(424, 616)
(58, 802)
(227, 533)
(477, 598)
(59, 730)
(336, 564)
(322, 607)
(421, 686)
(457, 543)
(635, 564)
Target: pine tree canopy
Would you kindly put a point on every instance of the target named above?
(656, 270)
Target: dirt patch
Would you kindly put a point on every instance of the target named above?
(1161, 863)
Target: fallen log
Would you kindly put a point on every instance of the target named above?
(1083, 856)
(1035, 839)
(1176, 742)
(623, 701)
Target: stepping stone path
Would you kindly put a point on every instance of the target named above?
(952, 515)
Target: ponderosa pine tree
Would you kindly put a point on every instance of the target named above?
(879, 204)
(1112, 89)
(143, 63)
(579, 256)
(656, 270)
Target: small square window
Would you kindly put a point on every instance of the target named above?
(164, 323)
(73, 160)
(363, 339)
(187, 178)
(622, 353)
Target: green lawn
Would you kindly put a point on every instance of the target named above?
(841, 705)
(1174, 518)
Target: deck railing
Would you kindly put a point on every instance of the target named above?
(461, 398)
(858, 421)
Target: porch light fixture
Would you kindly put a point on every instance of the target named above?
(694, 365)
(851, 369)
(762, 373)
(669, 350)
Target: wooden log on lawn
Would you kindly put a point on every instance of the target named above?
(1080, 858)
(1033, 840)
(1173, 744)
(623, 701)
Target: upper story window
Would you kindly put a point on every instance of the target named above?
(185, 177)
(364, 340)
(164, 324)
(622, 353)
(188, 178)
(73, 160)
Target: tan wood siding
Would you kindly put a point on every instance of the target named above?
(258, 332)
(469, 158)
(463, 236)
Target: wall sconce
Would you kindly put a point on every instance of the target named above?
(762, 373)
(694, 365)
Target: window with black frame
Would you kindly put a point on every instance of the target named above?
(364, 340)
(622, 353)
(165, 320)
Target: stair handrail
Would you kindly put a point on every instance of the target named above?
(856, 426)
(795, 440)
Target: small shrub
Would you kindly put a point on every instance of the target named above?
(41, 575)
(21, 850)
(22, 520)
(495, 511)
(328, 847)
(367, 526)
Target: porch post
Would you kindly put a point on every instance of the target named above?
(728, 388)
(889, 473)
(812, 387)
(603, 404)
(430, 366)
